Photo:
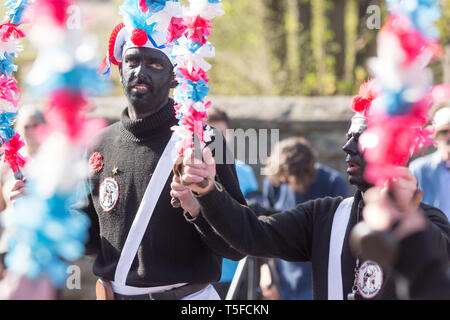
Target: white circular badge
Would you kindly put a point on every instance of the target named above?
(108, 194)
(370, 279)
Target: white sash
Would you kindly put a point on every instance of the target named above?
(340, 222)
(141, 221)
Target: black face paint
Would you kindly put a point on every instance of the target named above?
(356, 163)
(147, 77)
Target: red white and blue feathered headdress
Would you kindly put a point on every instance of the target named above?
(362, 102)
(182, 33)
(147, 24)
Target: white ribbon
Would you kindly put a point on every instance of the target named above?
(145, 212)
(205, 9)
(338, 229)
(163, 17)
(184, 57)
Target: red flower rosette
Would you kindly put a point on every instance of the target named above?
(96, 162)
(11, 153)
(176, 29)
(198, 29)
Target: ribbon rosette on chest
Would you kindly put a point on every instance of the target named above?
(96, 162)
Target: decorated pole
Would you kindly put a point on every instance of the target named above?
(190, 50)
(187, 30)
(45, 231)
(401, 94)
(10, 34)
(182, 34)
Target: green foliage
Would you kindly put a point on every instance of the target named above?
(281, 53)
(241, 65)
(444, 23)
(316, 47)
(278, 47)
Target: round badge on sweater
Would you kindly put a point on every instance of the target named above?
(370, 279)
(108, 194)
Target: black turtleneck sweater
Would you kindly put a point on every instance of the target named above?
(173, 249)
(303, 234)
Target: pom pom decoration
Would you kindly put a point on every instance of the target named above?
(45, 230)
(399, 113)
(139, 37)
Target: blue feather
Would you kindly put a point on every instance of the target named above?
(134, 17)
(17, 8)
(7, 66)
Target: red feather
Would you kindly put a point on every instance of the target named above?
(143, 5)
(363, 100)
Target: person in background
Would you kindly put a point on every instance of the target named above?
(296, 177)
(219, 120)
(433, 171)
(29, 118)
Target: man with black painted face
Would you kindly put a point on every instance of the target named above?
(147, 76)
(355, 159)
(147, 249)
(316, 231)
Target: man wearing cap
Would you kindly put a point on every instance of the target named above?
(433, 171)
(147, 249)
(316, 231)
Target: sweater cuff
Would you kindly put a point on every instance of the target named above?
(210, 201)
(198, 221)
